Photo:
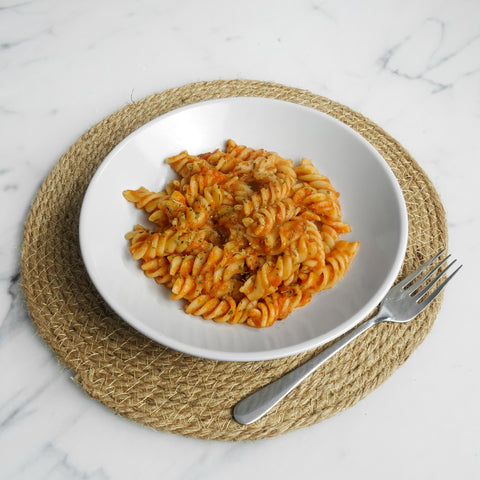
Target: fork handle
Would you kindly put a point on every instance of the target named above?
(257, 404)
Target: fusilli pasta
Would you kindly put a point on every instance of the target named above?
(243, 236)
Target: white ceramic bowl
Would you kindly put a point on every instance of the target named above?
(370, 197)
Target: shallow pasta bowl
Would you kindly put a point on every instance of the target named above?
(370, 197)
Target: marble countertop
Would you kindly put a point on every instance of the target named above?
(412, 67)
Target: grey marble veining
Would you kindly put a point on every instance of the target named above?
(412, 67)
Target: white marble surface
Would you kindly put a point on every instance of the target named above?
(412, 67)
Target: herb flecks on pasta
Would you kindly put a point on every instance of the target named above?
(243, 236)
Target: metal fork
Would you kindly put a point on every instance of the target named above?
(402, 303)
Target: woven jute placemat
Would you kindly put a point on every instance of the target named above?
(171, 391)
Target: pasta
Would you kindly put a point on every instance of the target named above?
(243, 236)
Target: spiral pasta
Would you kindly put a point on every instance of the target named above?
(243, 236)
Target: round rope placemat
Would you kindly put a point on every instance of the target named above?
(171, 391)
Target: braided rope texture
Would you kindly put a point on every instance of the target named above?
(174, 392)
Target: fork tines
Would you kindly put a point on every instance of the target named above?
(417, 291)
